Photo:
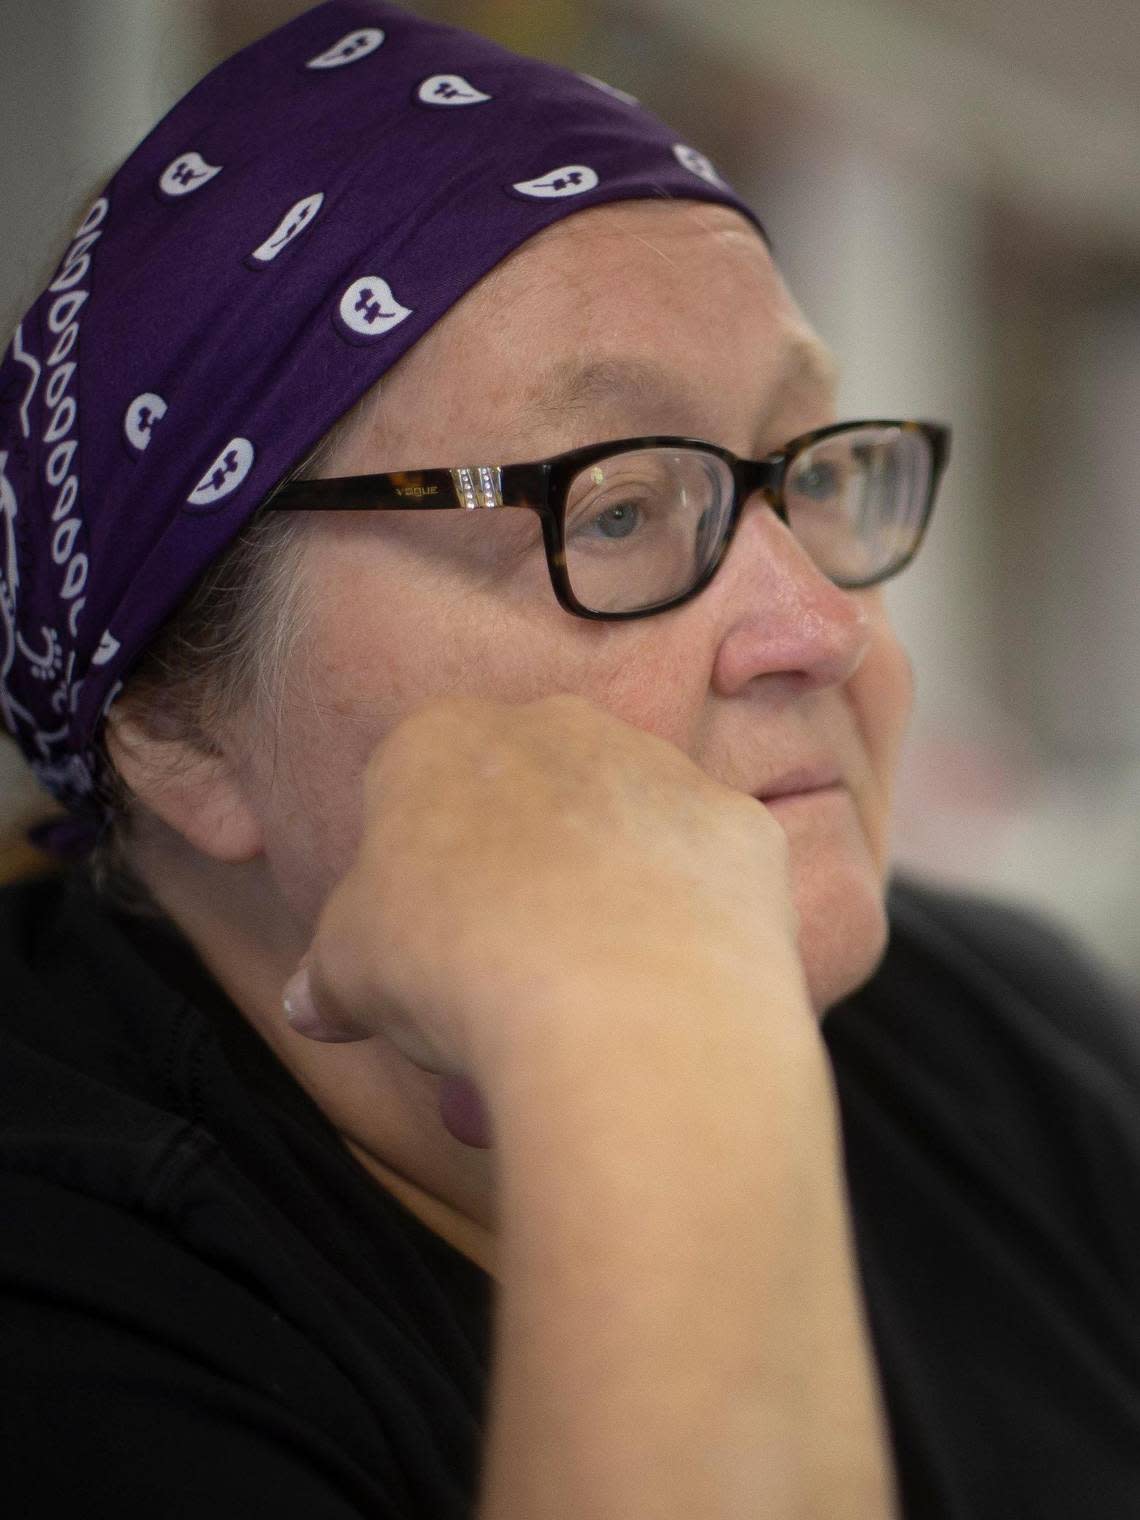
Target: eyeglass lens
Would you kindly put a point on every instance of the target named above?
(642, 527)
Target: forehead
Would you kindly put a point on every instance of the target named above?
(636, 317)
(633, 271)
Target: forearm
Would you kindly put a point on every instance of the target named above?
(679, 1331)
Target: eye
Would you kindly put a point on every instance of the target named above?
(625, 502)
(617, 521)
(818, 480)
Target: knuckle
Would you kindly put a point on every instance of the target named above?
(763, 828)
(427, 730)
(565, 701)
(566, 710)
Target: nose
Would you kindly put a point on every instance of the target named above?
(779, 614)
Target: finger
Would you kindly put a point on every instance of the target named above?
(464, 1112)
(329, 997)
(303, 1015)
(336, 995)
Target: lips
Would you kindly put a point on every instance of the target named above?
(804, 778)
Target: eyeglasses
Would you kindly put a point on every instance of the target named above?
(640, 525)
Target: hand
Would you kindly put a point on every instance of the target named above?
(514, 859)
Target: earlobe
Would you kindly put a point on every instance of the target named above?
(192, 789)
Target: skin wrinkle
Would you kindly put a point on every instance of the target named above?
(396, 619)
(614, 381)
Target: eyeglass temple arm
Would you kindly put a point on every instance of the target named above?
(469, 488)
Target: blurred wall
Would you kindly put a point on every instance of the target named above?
(954, 196)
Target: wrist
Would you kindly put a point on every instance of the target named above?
(623, 1007)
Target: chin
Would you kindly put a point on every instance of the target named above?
(843, 926)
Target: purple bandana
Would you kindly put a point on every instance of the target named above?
(290, 229)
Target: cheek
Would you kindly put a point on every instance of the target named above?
(382, 646)
(881, 695)
(421, 626)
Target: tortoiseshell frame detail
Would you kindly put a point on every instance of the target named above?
(542, 486)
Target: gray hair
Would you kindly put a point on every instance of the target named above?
(225, 649)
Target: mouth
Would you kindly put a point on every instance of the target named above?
(807, 781)
(791, 800)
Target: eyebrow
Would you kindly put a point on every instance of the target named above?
(573, 385)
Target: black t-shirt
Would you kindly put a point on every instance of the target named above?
(209, 1308)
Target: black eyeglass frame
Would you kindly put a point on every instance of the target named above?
(542, 486)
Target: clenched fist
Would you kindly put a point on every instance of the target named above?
(515, 859)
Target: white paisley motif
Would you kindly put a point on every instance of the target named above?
(571, 179)
(291, 225)
(188, 172)
(141, 416)
(10, 570)
(22, 356)
(47, 664)
(112, 697)
(350, 49)
(696, 163)
(9, 583)
(368, 307)
(109, 647)
(13, 711)
(71, 776)
(449, 90)
(226, 473)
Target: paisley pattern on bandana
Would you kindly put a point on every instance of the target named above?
(296, 223)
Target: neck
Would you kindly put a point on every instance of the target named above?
(385, 1109)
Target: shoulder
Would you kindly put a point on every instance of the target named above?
(988, 1078)
(163, 1379)
(999, 948)
(989, 1032)
(997, 991)
(189, 1264)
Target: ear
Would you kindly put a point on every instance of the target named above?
(193, 788)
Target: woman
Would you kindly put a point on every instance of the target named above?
(459, 1127)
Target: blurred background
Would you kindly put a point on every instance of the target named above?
(953, 192)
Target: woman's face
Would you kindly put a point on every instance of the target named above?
(621, 321)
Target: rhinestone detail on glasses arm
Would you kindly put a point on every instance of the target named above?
(479, 486)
